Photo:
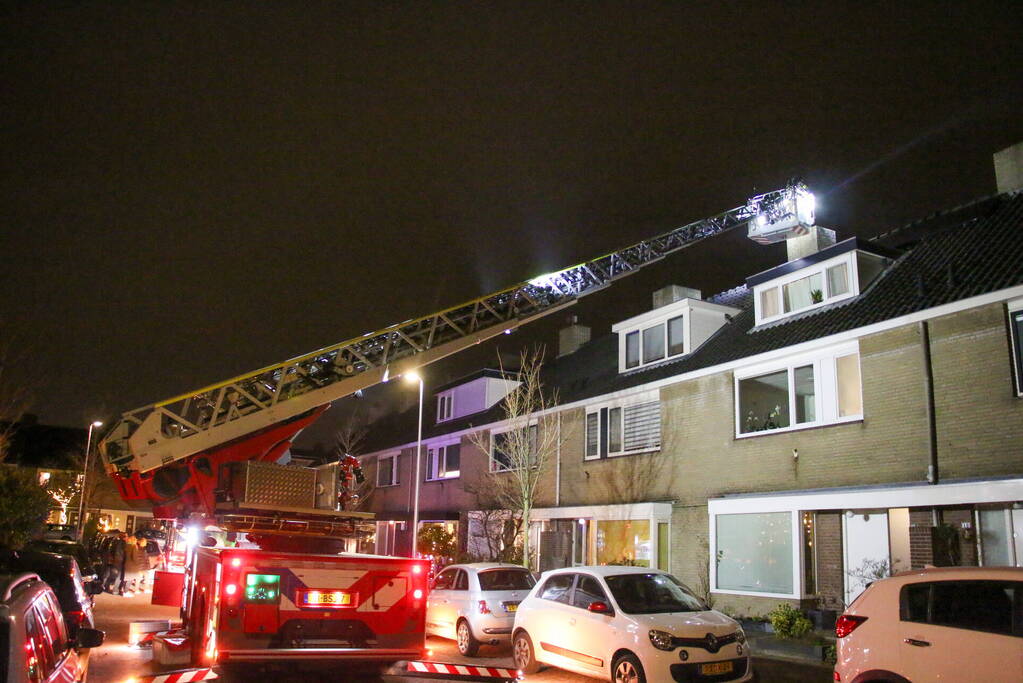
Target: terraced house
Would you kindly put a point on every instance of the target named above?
(854, 411)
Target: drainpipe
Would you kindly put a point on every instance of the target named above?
(932, 427)
(557, 468)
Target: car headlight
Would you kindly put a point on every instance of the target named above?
(661, 640)
(740, 635)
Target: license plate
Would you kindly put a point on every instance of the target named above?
(510, 608)
(326, 598)
(715, 668)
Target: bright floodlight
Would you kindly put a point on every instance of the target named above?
(97, 423)
(413, 376)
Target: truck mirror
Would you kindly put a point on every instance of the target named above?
(89, 637)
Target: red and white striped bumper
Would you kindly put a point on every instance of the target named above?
(182, 676)
(464, 670)
(316, 653)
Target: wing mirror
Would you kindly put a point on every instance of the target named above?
(94, 587)
(89, 637)
(599, 607)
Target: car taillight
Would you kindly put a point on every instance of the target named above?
(847, 623)
(483, 607)
(76, 616)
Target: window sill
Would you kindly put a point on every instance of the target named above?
(387, 486)
(430, 481)
(801, 427)
(624, 454)
(728, 591)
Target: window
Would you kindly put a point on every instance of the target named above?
(769, 303)
(387, 470)
(624, 542)
(593, 435)
(442, 462)
(632, 350)
(623, 429)
(1016, 339)
(823, 388)
(588, 590)
(802, 293)
(511, 449)
(445, 405)
(461, 581)
(754, 552)
(505, 580)
(653, 343)
(557, 588)
(838, 280)
(972, 605)
(676, 335)
(445, 580)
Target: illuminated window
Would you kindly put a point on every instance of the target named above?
(754, 552)
(443, 462)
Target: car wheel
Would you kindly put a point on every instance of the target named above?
(627, 669)
(522, 653)
(468, 646)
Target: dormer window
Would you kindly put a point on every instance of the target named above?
(839, 272)
(445, 406)
(667, 332)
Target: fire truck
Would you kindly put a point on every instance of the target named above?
(294, 594)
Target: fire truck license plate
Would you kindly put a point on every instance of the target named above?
(326, 598)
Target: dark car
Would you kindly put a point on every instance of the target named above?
(72, 548)
(62, 574)
(34, 643)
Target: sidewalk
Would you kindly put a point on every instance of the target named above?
(115, 661)
(789, 660)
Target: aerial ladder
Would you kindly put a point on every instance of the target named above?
(170, 453)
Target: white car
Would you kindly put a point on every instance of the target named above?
(628, 625)
(935, 624)
(475, 603)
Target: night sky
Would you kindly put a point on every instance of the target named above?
(194, 190)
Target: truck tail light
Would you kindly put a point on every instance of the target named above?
(483, 607)
(76, 616)
(230, 588)
(417, 594)
(847, 623)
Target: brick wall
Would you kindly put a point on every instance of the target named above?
(830, 576)
(920, 541)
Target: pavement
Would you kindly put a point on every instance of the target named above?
(116, 662)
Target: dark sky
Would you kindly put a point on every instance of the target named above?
(195, 190)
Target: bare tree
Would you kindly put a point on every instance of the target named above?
(63, 495)
(14, 398)
(347, 445)
(522, 454)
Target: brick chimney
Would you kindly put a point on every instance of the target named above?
(573, 336)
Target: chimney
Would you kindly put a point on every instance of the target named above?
(1009, 168)
(813, 241)
(672, 293)
(572, 337)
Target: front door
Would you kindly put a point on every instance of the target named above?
(866, 551)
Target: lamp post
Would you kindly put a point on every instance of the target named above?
(415, 377)
(85, 479)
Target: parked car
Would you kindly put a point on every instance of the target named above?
(626, 624)
(475, 603)
(62, 574)
(72, 548)
(33, 638)
(948, 623)
(64, 532)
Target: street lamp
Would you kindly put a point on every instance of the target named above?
(85, 479)
(414, 376)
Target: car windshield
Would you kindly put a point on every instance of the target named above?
(652, 594)
(506, 580)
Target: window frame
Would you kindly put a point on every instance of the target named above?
(533, 425)
(431, 471)
(394, 478)
(639, 332)
(446, 405)
(1015, 308)
(852, 276)
(826, 389)
(604, 450)
(798, 588)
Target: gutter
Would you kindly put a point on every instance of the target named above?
(932, 426)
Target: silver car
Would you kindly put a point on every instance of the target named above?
(475, 604)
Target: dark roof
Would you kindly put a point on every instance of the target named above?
(37, 445)
(967, 251)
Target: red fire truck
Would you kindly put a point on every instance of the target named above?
(208, 458)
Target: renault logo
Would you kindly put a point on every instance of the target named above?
(712, 643)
